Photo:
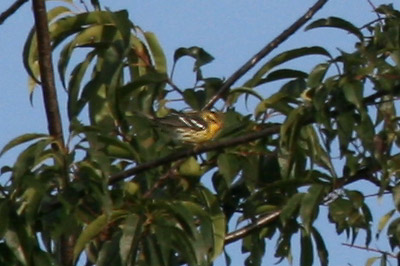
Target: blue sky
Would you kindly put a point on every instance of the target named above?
(232, 31)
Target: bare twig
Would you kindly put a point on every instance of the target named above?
(160, 182)
(259, 223)
(265, 51)
(11, 10)
(370, 249)
(197, 150)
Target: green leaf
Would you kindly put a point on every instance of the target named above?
(17, 246)
(317, 75)
(30, 158)
(131, 231)
(383, 260)
(95, 228)
(321, 248)
(117, 148)
(22, 139)
(236, 92)
(283, 58)
(183, 217)
(218, 221)
(306, 255)
(317, 153)
(353, 92)
(384, 220)
(30, 51)
(282, 74)
(4, 212)
(94, 36)
(309, 207)
(229, 166)
(196, 99)
(291, 208)
(190, 167)
(355, 197)
(42, 258)
(160, 61)
(199, 54)
(371, 261)
(339, 23)
(108, 254)
(276, 101)
(75, 105)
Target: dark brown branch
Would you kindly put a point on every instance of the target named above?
(363, 174)
(197, 150)
(265, 51)
(259, 223)
(46, 71)
(66, 242)
(11, 10)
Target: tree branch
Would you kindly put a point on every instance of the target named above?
(197, 150)
(67, 242)
(241, 233)
(370, 249)
(46, 72)
(265, 51)
(11, 10)
(363, 174)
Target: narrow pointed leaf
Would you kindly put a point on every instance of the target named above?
(339, 23)
(283, 58)
(22, 139)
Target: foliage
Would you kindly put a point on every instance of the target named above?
(116, 78)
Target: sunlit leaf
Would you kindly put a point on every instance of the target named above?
(160, 61)
(22, 139)
(190, 167)
(317, 74)
(339, 23)
(371, 261)
(383, 221)
(282, 58)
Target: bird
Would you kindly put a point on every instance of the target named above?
(192, 127)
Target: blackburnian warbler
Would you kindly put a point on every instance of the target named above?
(192, 127)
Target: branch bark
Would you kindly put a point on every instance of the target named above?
(363, 174)
(46, 72)
(265, 51)
(66, 242)
(11, 10)
(197, 150)
(259, 223)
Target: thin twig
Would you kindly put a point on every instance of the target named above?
(160, 182)
(174, 87)
(261, 222)
(370, 249)
(197, 150)
(265, 51)
(11, 10)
